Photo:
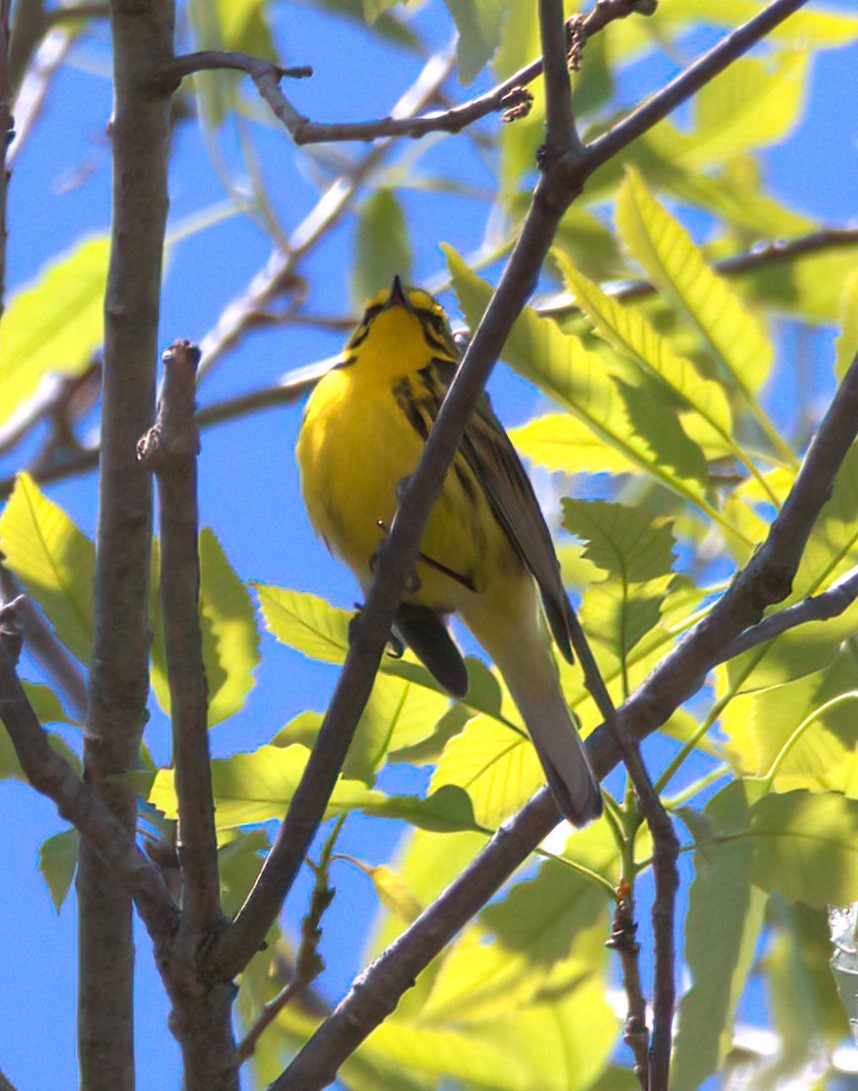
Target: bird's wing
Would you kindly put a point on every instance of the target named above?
(489, 452)
(424, 631)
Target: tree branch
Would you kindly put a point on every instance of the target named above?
(119, 676)
(774, 253)
(308, 962)
(623, 940)
(663, 102)
(279, 275)
(43, 644)
(511, 97)
(170, 448)
(51, 775)
(830, 603)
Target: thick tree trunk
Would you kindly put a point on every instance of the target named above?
(143, 44)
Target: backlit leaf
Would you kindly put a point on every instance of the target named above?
(725, 915)
(806, 847)
(54, 324)
(54, 561)
(623, 541)
(671, 260)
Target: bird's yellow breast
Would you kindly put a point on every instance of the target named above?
(353, 450)
(356, 448)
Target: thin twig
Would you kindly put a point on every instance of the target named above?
(308, 962)
(749, 261)
(45, 647)
(623, 940)
(828, 604)
(36, 80)
(511, 97)
(279, 275)
(170, 448)
(51, 775)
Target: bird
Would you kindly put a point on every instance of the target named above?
(486, 554)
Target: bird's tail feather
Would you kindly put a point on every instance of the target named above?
(561, 752)
(566, 768)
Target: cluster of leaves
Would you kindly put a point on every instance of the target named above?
(658, 411)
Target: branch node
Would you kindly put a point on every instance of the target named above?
(516, 104)
(175, 434)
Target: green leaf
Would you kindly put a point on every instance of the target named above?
(497, 766)
(847, 342)
(618, 615)
(538, 946)
(623, 541)
(564, 1042)
(384, 25)
(480, 24)
(241, 26)
(725, 916)
(809, 285)
(230, 637)
(806, 847)
(626, 330)
(561, 442)
(58, 856)
(258, 787)
(808, 727)
(382, 248)
(398, 715)
(578, 379)
(675, 265)
(805, 1007)
(305, 622)
(54, 561)
(239, 861)
(426, 862)
(312, 626)
(393, 893)
(752, 104)
(798, 652)
(244, 27)
(820, 27)
(447, 810)
(54, 324)
(47, 705)
(374, 9)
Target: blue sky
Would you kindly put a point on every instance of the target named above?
(59, 193)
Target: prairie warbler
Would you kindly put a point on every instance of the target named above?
(486, 555)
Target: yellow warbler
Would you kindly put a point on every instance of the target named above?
(486, 555)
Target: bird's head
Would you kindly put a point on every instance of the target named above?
(402, 329)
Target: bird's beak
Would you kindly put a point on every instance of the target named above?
(398, 297)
